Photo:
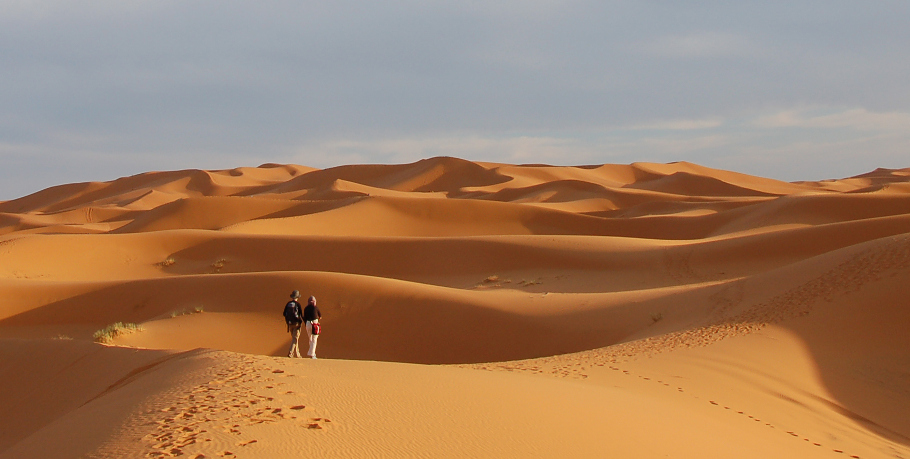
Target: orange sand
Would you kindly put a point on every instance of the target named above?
(648, 310)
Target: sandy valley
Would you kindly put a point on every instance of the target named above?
(470, 310)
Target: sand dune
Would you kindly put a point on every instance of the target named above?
(643, 310)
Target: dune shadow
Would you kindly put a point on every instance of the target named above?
(852, 320)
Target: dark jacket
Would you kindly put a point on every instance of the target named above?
(311, 312)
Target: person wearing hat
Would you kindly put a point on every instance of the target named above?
(293, 316)
(311, 315)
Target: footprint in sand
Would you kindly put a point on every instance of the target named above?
(245, 443)
(791, 433)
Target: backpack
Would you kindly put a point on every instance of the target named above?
(292, 313)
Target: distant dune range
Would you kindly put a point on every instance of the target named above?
(599, 311)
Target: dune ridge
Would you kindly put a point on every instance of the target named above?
(771, 311)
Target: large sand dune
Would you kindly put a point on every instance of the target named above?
(647, 310)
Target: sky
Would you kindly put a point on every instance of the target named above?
(792, 90)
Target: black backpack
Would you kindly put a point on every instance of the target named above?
(292, 313)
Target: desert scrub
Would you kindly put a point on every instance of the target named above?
(493, 281)
(218, 265)
(107, 334)
(167, 262)
(185, 311)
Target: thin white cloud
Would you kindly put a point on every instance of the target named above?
(696, 45)
(859, 119)
(811, 158)
(680, 125)
(681, 146)
(525, 8)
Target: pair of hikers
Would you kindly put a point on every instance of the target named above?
(297, 318)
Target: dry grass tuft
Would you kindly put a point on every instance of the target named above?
(184, 311)
(112, 331)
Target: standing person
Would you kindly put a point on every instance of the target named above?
(311, 315)
(293, 316)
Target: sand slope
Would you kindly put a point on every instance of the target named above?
(646, 310)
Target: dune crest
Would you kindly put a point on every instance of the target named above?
(635, 298)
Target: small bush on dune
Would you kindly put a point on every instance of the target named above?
(167, 262)
(107, 334)
(184, 311)
(218, 265)
(528, 283)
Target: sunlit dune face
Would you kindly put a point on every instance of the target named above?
(726, 315)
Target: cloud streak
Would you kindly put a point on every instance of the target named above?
(859, 119)
(699, 45)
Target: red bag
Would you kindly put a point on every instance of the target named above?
(316, 328)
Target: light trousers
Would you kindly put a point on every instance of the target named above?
(311, 352)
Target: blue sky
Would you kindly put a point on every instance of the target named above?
(798, 90)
